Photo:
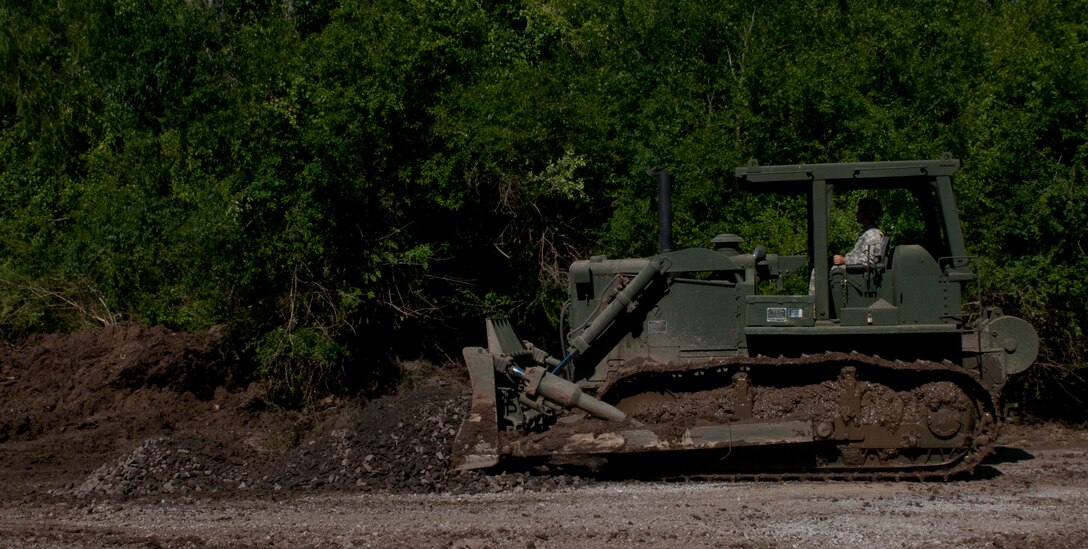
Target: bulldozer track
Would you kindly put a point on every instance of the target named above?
(850, 385)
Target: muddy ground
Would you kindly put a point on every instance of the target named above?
(139, 437)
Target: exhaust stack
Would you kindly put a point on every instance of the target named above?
(664, 202)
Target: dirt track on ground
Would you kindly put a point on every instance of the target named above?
(137, 437)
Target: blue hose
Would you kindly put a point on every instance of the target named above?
(563, 362)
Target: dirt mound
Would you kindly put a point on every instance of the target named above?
(399, 444)
(163, 465)
(134, 411)
(73, 402)
(86, 380)
(395, 444)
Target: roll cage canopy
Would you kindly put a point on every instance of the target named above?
(928, 180)
(864, 174)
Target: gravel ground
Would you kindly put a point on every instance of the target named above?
(1030, 495)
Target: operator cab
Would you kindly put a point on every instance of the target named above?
(915, 283)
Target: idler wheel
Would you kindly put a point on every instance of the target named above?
(944, 423)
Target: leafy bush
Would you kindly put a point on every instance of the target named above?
(347, 182)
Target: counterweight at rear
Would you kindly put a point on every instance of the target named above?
(879, 370)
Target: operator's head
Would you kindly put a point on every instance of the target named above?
(869, 210)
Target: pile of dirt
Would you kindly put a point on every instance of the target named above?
(399, 444)
(396, 444)
(87, 380)
(134, 411)
(74, 402)
(165, 465)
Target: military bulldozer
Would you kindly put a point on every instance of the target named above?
(695, 356)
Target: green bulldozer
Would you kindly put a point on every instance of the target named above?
(696, 356)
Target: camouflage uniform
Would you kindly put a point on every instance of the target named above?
(866, 252)
(867, 249)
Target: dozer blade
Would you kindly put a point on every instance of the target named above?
(477, 443)
(501, 337)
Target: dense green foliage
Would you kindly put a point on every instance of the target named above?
(348, 182)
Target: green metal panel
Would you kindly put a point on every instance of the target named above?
(696, 318)
(881, 313)
(922, 295)
(835, 329)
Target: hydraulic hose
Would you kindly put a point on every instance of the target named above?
(620, 303)
(563, 362)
